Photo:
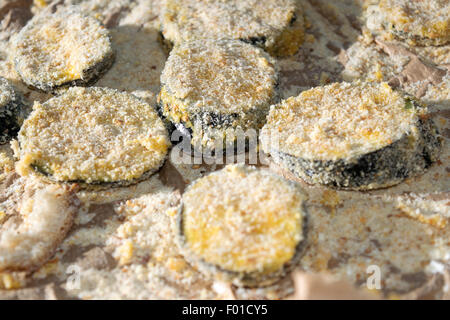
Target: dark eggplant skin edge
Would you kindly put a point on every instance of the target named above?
(419, 40)
(90, 76)
(254, 118)
(257, 40)
(101, 185)
(98, 185)
(379, 169)
(12, 115)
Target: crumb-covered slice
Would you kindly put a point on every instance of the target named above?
(275, 25)
(243, 225)
(212, 87)
(63, 48)
(12, 110)
(420, 22)
(360, 135)
(93, 136)
(32, 228)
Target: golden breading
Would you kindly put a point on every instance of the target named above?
(34, 219)
(242, 224)
(351, 135)
(420, 22)
(93, 136)
(63, 48)
(275, 25)
(210, 86)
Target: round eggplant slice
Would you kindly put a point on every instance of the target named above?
(243, 225)
(32, 228)
(359, 135)
(66, 48)
(13, 110)
(216, 89)
(275, 25)
(94, 137)
(423, 23)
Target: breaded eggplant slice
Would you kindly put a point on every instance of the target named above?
(94, 137)
(274, 25)
(423, 23)
(243, 225)
(13, 110)
(212, 89)
(34, 219)
(359, 135)
(66, 48)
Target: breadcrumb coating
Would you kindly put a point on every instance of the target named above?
(93, 135)
(225, 79)
(276, 25)
(422, 22)
(61, 49)
(243, 220)
(34, 226)
(341, 120)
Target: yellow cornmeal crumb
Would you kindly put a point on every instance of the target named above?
(330, 199)
(174, 109)
(23, 167)
(125, 230)
(176, 264)
(172, 212)
(27, 207)
(243, 219)
(279, 23)
(51, 267)
(54, 49)
(125, 252)
(93, 135)
(435, 220)
(40, 3)
(9, 282)
(6, 165)
(340, 120)
(378, 73)
(424, 19)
